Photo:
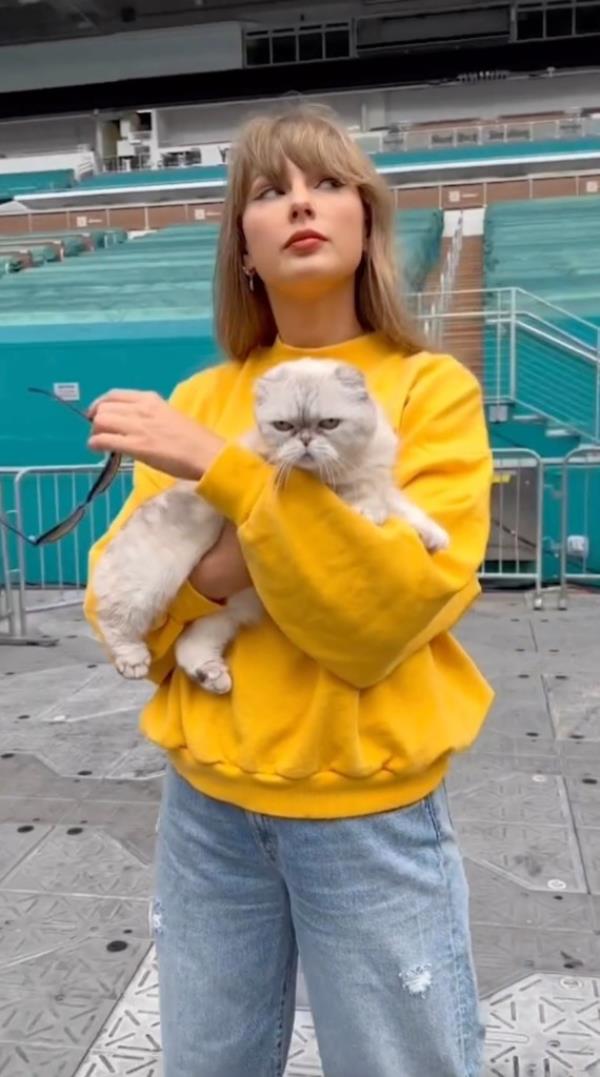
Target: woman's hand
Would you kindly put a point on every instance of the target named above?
(146, 427)
(222, 571)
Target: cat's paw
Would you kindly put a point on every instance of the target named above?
(377, 514)
(434, 537)
(132, 660)
(213, 676)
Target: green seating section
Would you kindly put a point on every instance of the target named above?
(550, 247)
(383, 161)
(164, 276)
(14, 184)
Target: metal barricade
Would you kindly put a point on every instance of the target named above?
(54, 576)
(580, 521)
(515, 548)
(8, 625)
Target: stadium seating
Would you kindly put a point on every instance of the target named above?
(383, 161)
(547, 247)
(15, 184)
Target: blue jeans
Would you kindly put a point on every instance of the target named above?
(377, 907)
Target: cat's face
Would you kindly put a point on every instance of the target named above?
(315, 414)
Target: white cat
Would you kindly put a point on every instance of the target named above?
(314, 414)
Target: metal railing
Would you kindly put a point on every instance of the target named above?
(45, 578)
(534, 357)
(580, 520)
(397, 139)
(41, 580)
(515, 549)
(8, 617)
(432, 305)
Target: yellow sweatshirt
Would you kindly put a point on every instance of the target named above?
(350, 696)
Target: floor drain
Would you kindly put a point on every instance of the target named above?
(116, 946)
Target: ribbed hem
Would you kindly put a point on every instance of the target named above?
(326, 795)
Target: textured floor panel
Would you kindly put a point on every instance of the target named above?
(105, 692)
(75, 964)
(90, 968)
(539, 1026)
(39, 923)
(538, 857)
(532, 799)
(574, 702)
(18, 810)
(73, 860)
(500, 901)
(504, 955)
(22, 1060)
(545, 1026)
(23, 774)
(590, 851)
(130, 1042)
(34, 693)
(50, 1020)
(17, 842)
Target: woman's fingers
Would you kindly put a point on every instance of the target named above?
(122, 396)
(110, 443)
(120, 418)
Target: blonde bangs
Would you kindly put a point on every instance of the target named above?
(312, 138)
(310, 141)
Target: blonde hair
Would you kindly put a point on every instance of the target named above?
(315, 141)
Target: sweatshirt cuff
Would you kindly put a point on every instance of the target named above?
(189, 605)
(234, 482)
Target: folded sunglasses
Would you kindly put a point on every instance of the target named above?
(100, 485)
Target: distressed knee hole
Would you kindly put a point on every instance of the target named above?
(417, 980)
(155, 918)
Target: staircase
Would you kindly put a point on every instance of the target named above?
(463, 325)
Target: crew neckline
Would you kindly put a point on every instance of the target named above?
(358, 350)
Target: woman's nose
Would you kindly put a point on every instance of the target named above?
(301, 205)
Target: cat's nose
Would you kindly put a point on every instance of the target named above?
(305, 437)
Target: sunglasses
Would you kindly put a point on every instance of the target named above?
(100, 485)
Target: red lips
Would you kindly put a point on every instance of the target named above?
(305, 233)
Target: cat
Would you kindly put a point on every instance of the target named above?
(313, 414)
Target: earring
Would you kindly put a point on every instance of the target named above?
(250, 277)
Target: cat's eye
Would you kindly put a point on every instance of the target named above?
(279, 424)
(329, 424)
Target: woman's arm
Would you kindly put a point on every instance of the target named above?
(189, 604)
(222, 572)
(358, 598)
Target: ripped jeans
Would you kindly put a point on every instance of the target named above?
(377, 907)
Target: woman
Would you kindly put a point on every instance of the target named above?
(307, 810)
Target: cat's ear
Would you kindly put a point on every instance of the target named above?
(264, 385)
(352, 379)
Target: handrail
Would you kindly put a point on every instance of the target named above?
(555, 306)
(558, 335)
(592, 359)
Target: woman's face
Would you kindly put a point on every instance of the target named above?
(277, 223)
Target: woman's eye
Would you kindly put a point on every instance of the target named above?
(279, 424)
(330, 182)
(329, 424)
(266, 193)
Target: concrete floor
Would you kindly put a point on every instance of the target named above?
(79, 793)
